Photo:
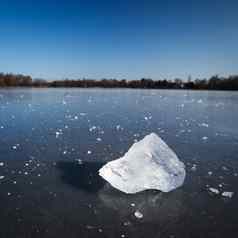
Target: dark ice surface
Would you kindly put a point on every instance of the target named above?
(53, 141)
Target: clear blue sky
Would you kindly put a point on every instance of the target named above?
(122, 39)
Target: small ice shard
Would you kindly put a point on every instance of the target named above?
(138, 214)
(92, 128)
(194, 167)
(227, 194)
(149, 164)
(79, 161)
(214, 190)
(204, 125)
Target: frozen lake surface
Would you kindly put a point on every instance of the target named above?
(53, 141)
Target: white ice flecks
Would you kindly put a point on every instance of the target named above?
(148, 118)
(92, 128)
(149, 164)
(194, 167)
(138, 214)
(210, 173)
(15, 147)
(227, 194)
(118, 127)
(58, 133)
(223, 194)
(214, 190)
(79, 161)
(204, 125)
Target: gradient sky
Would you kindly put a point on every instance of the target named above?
(122, 39)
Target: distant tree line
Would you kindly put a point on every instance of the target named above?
(213, 83)
(13, 80)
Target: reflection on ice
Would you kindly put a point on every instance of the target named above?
(164, 207)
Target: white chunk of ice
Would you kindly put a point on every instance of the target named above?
(149, 164)
(214, 190)
(138, 214)
(227, 194)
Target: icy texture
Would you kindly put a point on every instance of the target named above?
(149, 164)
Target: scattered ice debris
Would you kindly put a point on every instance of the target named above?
(126, 223)
(204, 138)
(138, 214)
(204, 124)
(2, 177)
(149, 164)
(79, 161)
(148, 118)
(1, 163)
(224, 168)
(92, 128)
(214, 190)
(194, 167)
(58, 133)
(227, 194)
